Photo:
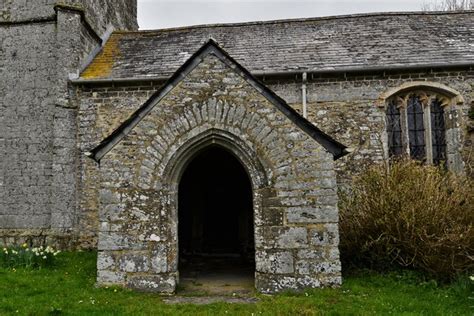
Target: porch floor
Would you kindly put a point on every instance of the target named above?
(224, 276)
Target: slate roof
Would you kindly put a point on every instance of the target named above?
(354, 42)
(211, 47)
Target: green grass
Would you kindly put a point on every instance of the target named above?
(67, 288)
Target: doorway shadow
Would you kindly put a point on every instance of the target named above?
(215, 229)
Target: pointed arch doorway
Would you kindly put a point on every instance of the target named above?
(215, 223)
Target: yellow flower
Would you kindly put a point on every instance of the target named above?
(24, 245)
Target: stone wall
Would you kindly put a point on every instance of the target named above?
(40, 151)
(20, 10)
(39, 49)
(100, 111)
(34, 100)
(26, 115)
(119, 14)
(348, 107)
(134, 188)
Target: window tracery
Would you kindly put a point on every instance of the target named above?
(416, 125)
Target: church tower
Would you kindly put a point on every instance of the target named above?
(43, 44)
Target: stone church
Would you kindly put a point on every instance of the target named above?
(158, 147)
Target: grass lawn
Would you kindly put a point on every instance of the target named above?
(68, 289)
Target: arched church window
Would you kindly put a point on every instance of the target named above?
(416, 126)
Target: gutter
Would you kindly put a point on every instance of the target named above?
(362, 69)
(297, 73)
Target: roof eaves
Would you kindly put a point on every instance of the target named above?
(268, 74)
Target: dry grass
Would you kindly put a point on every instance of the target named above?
(409, 215)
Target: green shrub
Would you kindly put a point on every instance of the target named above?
(16, 257)
(409, 215)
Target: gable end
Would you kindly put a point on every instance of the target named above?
(211, 47)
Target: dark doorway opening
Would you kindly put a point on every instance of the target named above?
(215, 230)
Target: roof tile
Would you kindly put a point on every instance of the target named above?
(333, 43)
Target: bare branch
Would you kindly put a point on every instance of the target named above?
(448, 5)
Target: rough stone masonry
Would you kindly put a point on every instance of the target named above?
(73, 72)
(42, 45)
(292, 175)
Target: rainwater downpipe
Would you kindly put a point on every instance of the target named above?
(303, 91)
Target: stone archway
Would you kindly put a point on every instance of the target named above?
(192, 160)
(288, 160)
(215, 223)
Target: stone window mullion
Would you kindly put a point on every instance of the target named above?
(404, 127)
(428, 136)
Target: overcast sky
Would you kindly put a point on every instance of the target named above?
(154, 14)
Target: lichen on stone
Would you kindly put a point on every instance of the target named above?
(102, 65)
